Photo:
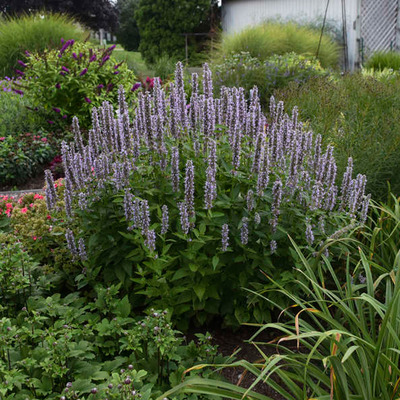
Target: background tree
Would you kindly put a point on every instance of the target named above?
(94, 14)
(162, 24)
(128, 32)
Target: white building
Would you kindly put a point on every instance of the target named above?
(370, 25)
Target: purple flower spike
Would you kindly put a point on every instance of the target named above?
(58, 86)
(64, 117)
(83, 72)
(19, 72)
(116, 72)
(88, 100)
(74, 55)
(20, 92)
(93, 58)
(62, 73)
(105, 58)
(136, 86)
(20, 62)
(100, 86)
(57, 110)
(65, 69)
(50, 122)
(62, 40)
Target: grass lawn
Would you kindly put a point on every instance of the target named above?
(134, 61)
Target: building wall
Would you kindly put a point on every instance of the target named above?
(238, 14)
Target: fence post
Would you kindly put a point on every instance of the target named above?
(397, 40)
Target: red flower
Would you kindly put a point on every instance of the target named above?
(24, 210)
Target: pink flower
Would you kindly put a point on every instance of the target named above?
(34, 237)
(2, 139)
(31, 205)
(48, 217)
(24, 210)
(38, 196)
(44, 140)
(9, 205)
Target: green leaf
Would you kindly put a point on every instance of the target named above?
(193, 267)
(200, 290)
(82, 385)
(215, 261)
(123, 308)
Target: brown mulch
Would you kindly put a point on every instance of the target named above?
(34, 183)
(229, 342)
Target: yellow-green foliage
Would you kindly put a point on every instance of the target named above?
(265, 40)
(34, 33)
(384, 60)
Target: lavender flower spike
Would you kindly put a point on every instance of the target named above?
(189, 188)
(175, 169)
(82, 250)
(51, 195)
(150, 241)
(184, 217)
(164, 220)
(244, 231)
(225, 237)
(69, 235)
(250, 200)
(309, 232)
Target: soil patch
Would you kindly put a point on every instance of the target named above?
(229, 342)
(34, 183)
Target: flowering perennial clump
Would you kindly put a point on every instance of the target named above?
(277, 156)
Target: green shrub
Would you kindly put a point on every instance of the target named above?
(22, 155)
(16, 113)
(162, 25)
(253, 188)
(361, 117)
(242, 70)
(274, 38)
(164, 67)
(384, 60)
(128, 32)
(33, 33)
(70, 81)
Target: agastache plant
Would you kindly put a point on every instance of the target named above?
(272, 161)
